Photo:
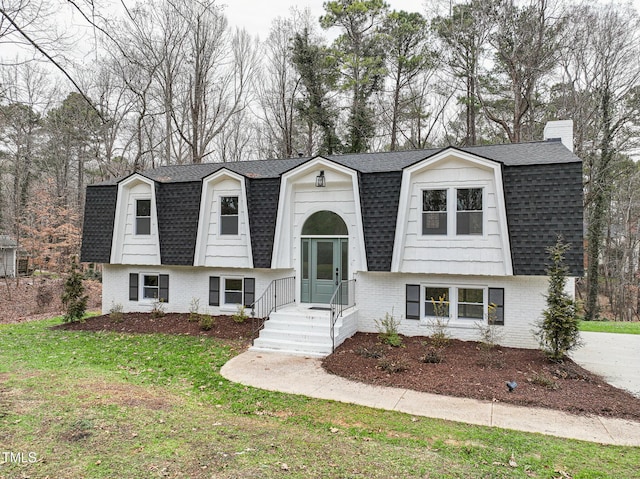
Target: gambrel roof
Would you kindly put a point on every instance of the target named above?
(542, 188)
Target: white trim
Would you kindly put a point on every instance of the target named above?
(141, 276)
(407, 186)
(284, 236)
(204, 214)
(119, 224)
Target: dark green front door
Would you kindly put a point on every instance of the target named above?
(324, 265)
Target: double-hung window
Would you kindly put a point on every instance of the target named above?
(471, 303)
(228, 215)
(150, 286)
(438, 217)
(434, 212)
(233, 291)
(469, 211)
(143, 217)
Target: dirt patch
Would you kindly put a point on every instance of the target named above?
(129, 395)
(223, 327)
(468, 370)
(38, 297)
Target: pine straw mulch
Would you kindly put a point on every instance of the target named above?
(466, 368)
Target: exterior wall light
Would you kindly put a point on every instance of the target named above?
(321, 180)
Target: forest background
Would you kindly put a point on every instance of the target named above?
(172, 82)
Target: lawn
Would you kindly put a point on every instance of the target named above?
(623, 327)
(92, 405)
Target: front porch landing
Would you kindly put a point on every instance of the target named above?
(299, 329)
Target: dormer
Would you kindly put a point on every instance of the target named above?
(223, 238)
(135, 235)
(452, 217)
(318, 185)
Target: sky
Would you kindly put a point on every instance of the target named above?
(256, 15)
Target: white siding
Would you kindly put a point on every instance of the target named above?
(216, 250)
(300, 198)
(185, 283)
(128, 247)
(452, 254)
(7, 262)
(380, 293)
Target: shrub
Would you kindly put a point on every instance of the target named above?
(206, 322)
(73, 298)
(157, 311)
(194, 309)
(388, 330)
(541, 379)
(558, 332)
(373, 351)
(116, 312)
(393, 366)
(438, 325)
(240, 316)
(490, 334)
(432, 356)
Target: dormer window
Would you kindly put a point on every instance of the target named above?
(434, 212)
(469, 211)
(438, 203)
(229, 215)
(143, 217)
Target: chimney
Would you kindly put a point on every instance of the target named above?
(560, 129)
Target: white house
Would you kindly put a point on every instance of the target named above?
(8, 249)
(335, 242)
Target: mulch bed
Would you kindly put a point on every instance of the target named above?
(224, 327)
(466, 370)
(469, 370)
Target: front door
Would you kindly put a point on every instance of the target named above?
(324, 266)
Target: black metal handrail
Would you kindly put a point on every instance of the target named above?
(280, 292)
(343, 298)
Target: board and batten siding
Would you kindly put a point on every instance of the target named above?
(300, 198)
(214, 249)
(451, 253)
(128, 247)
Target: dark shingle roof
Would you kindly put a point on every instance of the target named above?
(97, 230)
(178, 207)
(542, 183)
(543, 202)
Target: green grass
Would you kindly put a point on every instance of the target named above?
(103, 405)
(623, 327)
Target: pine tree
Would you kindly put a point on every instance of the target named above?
(73, 299)
(558, 331)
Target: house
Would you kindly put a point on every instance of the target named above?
(333, 243)
(8, 250)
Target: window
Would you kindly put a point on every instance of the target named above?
(143, 217)
(470, 303)
(461, 304)
(434, 212)
(151, 286)
(436, 302)
(228, 215)
(233, 290)
(469, 211)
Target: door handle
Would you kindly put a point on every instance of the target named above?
(337, 276)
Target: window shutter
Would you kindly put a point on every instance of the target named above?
(496, 297)
(413, 301)
(163, 291)
(133, 287)
(214, 290)
(249, 291)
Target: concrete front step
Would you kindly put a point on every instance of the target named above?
(297, 330)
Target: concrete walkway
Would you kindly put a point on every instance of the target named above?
(305, 376)
(615, 357)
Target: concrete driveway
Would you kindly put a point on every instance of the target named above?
(615, 357)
